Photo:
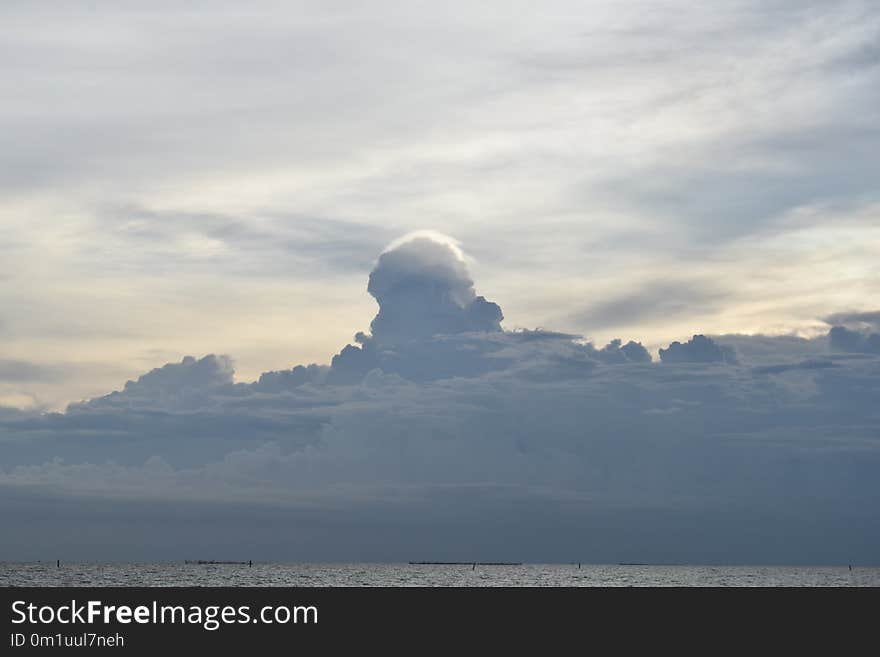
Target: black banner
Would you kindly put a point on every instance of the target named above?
(415, 620)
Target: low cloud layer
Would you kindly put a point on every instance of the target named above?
(699, 349)
(440, 434)
(844, 339)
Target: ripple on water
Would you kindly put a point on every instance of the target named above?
(324, 574)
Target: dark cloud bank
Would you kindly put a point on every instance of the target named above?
(441, 435)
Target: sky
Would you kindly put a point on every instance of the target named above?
(364, 268)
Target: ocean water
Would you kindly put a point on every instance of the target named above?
(378, 574)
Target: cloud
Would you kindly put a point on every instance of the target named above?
(613, 352)
(699, 349)
(178, 384)
(717, 146)
(17, 370)
(261, 243)
(440, 408)
(787, 367)
(423, 288)
(855, 319)
(761, 349)
(650, 301)
(843, 339)
(385, 121)
(292, 378)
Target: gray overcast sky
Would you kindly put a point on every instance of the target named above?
(175, 180)
(195, 200)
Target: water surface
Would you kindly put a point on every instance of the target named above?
(378, 574)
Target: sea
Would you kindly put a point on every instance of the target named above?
(404, 574)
